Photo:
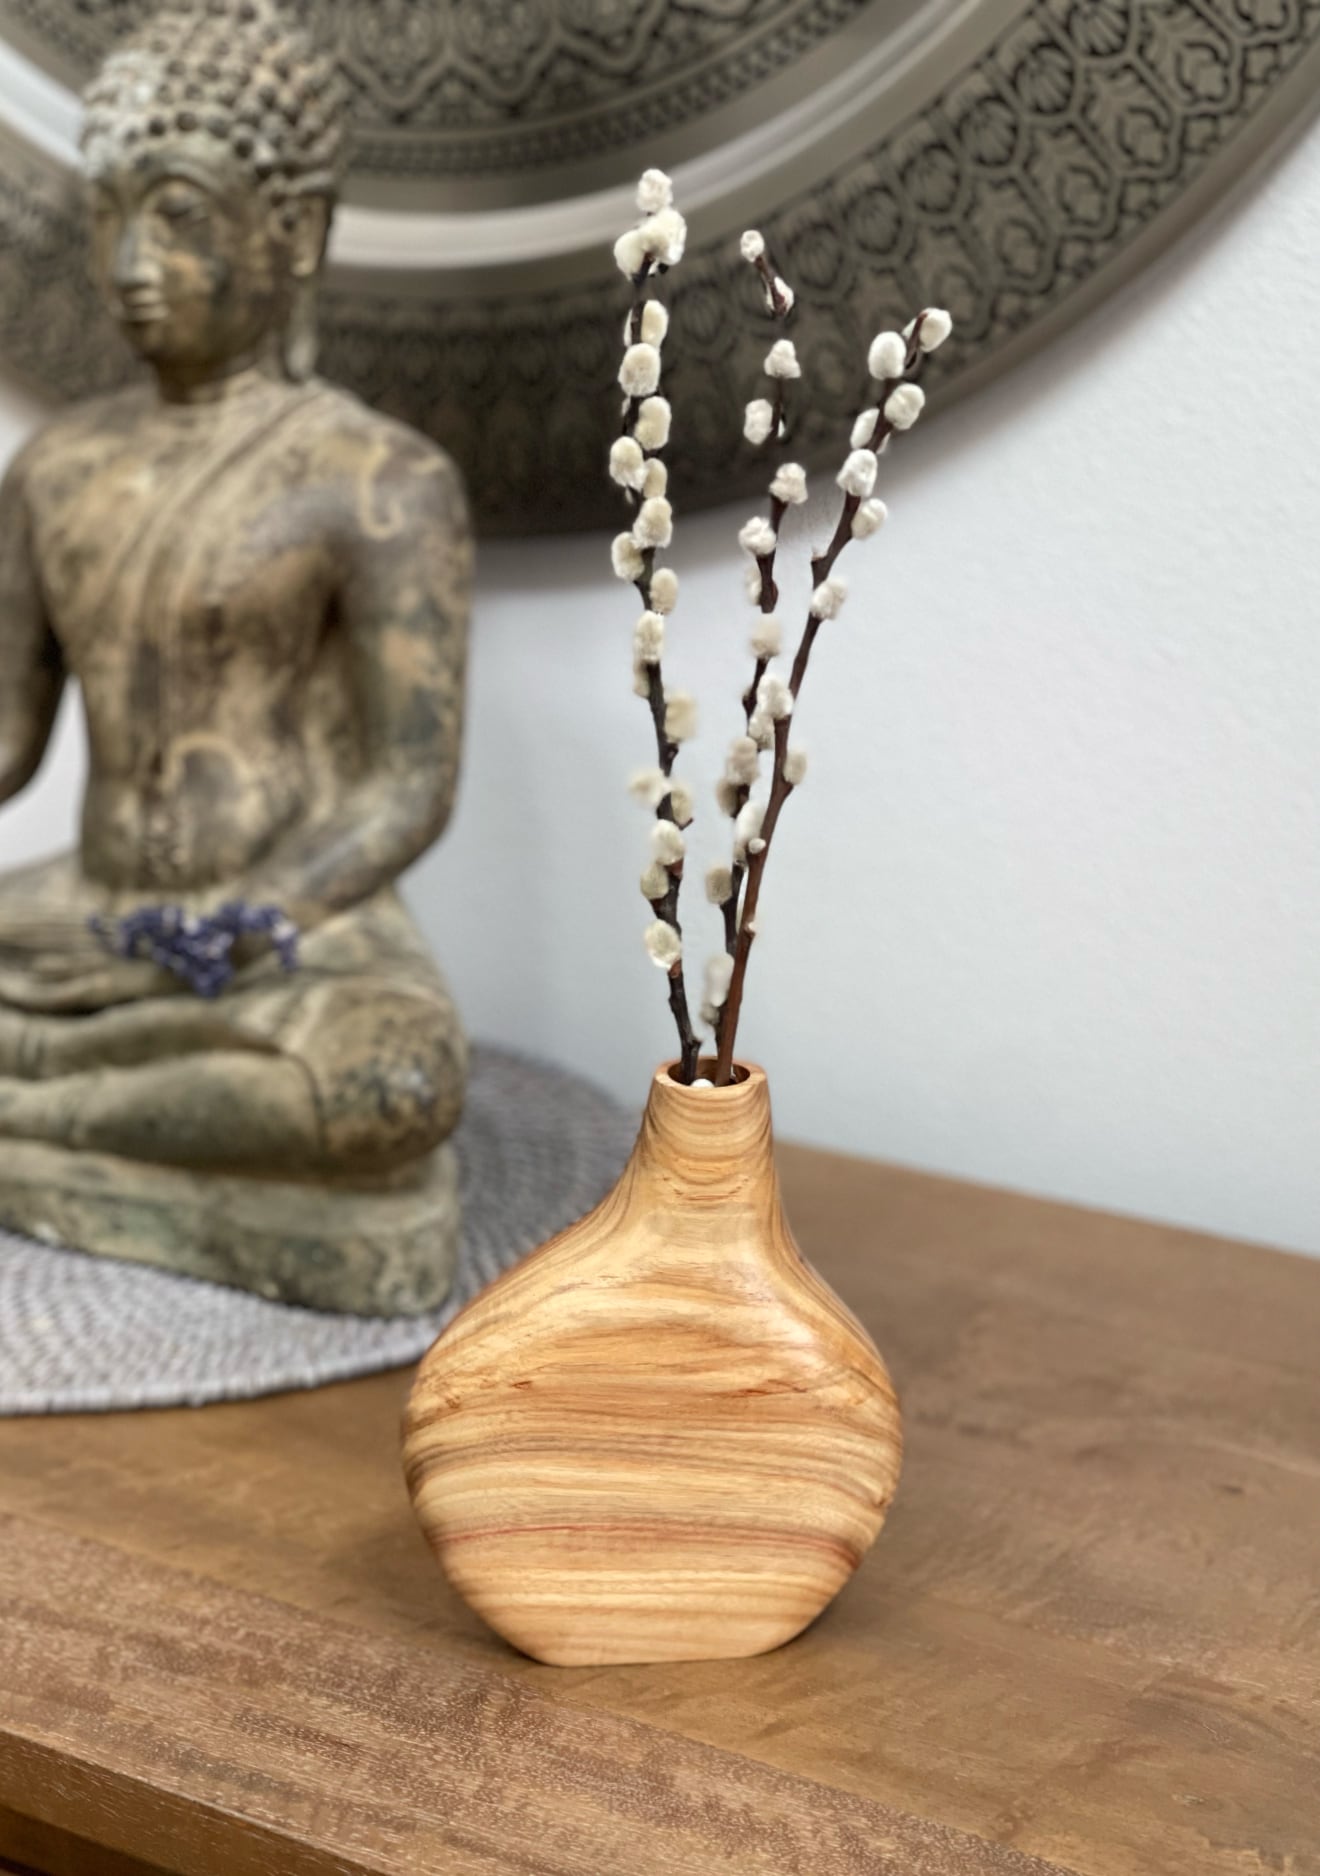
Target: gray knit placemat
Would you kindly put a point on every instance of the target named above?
(537, 1148)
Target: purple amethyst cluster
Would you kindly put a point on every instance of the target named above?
(199, 947)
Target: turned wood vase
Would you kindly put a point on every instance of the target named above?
(662, 1437)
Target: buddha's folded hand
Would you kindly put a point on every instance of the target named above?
(57, 984)
(40, 952)
(28, 939)
(46, 916)
(51, 959)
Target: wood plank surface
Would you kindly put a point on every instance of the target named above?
(274, 1740)
(37, 1849)
(1089, 1634)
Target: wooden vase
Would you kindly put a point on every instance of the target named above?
(662, 1437)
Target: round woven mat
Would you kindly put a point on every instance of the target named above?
(537, 1147)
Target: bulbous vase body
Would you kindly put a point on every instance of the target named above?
(662, 1436)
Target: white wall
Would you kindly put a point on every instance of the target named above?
(1047, 912)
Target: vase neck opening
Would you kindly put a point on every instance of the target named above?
(726, 1128)
(706, 1073)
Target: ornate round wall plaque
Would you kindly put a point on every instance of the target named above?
(1010, 159)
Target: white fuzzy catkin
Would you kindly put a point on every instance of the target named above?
(649, 786)
(761, 730)
(627, 463)
(752, 583)
(752, 245)
(747, 828)
(663, 944)
(626, 558)
(904, 405)
(667, 844)
(719, 975)
(768, 636)
(757, 537)
(719, 884)
(641, 680)
(887, 356)
(655, 477)
(654, 417)
(630, 253)
(828, 597)
(664, 590)
(864, 428)
(680, 800)
(654, 526)
(936, 325)
(773, 697)
(790, 483)
(654, 882)
(655, 322)
(781, 361)
(857, 476)
(785, 294)
(744, 761)
(870, 516)
(680, 716)
(795, 767)
(639, 373)
(665, 235)
(649, 638)
(654, 191)
(726, 796)
(758, 420)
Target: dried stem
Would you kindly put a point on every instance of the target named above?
(822, 566)
(779, 307)
(767, 599)
(666, 907)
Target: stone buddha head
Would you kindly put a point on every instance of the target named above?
(211, 148)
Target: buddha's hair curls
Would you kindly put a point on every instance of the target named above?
(244, 72)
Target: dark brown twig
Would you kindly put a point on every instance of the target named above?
(822, 566)
(779, 308)
(776, 303)
(666, 906)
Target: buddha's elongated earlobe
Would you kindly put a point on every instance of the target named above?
(310, 233)
(299, 345)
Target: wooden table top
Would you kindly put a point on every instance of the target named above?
(1088, 1639)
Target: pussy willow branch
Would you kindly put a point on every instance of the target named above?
(666, 749)
(666, 907)
(779, 307)
(768, 599)
(822, 566)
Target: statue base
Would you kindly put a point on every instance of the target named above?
(382, 1248)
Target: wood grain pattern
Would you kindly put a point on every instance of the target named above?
(1090, 1631)
(284, 1744)
(662, 1437)
(40, 1850)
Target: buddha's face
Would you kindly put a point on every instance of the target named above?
(190, 257)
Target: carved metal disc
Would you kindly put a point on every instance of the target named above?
(1011, 161)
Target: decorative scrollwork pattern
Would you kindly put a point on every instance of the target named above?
(462, 89)
(1016, 189)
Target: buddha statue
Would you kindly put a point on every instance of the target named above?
(261, 587)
